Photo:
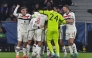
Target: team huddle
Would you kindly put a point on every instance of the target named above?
(33, 27)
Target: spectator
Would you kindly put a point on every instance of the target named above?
(4, 12)
(69, 2)
(36, 7)
(48, 5)
(28, 4)
(36, 2)
(47, 2)
(11, 16)
(3, 40)
(58, 3)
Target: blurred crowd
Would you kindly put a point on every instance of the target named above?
(7, 6)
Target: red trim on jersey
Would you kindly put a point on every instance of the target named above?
(24, 16)
(66, 16)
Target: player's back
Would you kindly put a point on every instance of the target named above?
(53, 19)
(41, 19)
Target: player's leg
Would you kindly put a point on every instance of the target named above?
(34, 47)
(30, 35)
(48, 51)
(43, 44)
(49, 36)
(25, 40)
(55, 38)
(70, 48)
(39, 44)
(63, 46)
(71, 43)
(19, 43)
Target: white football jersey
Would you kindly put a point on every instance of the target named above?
(23, 20)
(38, 20)
(70, 26)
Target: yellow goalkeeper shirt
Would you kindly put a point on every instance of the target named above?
(53, 19)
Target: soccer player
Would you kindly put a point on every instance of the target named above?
(52, 30)
(60, 36)
(36, 26)
(22, 25)
(70, 30)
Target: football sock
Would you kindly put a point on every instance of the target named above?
(64, 50)
(38, 50)
(74, 48)
(48, 51)
(24, 51)
(28, 49)
(17, 50)
(71, 50)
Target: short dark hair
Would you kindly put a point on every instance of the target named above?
(23, 8)
(55, 7)
(66, 6)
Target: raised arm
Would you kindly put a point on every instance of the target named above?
(15, 11)
(45, 12)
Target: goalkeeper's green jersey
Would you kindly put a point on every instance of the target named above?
(53, 19)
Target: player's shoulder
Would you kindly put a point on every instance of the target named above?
(43, 15)
(71, 12)
(59, 14)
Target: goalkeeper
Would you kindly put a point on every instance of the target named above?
(52, 30)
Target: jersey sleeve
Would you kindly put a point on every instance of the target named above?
(73, 15)
(46, 12)
(62, 20)
(15, 12)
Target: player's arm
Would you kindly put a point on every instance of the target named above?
(62, 20)
(45, 12)
(71, 19)
(15, 11)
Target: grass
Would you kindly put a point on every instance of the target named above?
(12, 55)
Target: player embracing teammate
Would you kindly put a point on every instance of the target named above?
(30, 27)
(36, 30)
(70, 31)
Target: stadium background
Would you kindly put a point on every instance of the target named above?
(83, 24)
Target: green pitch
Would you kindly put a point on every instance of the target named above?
(12, 55)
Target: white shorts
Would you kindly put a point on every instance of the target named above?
(45, 34)
(22, 36)
(70, 34)
(37, 34)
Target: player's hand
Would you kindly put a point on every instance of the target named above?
(41, 26)
(45, 1)
(18, 5)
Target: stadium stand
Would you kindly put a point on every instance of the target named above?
(81, 10)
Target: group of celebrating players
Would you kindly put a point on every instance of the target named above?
(33, 27)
